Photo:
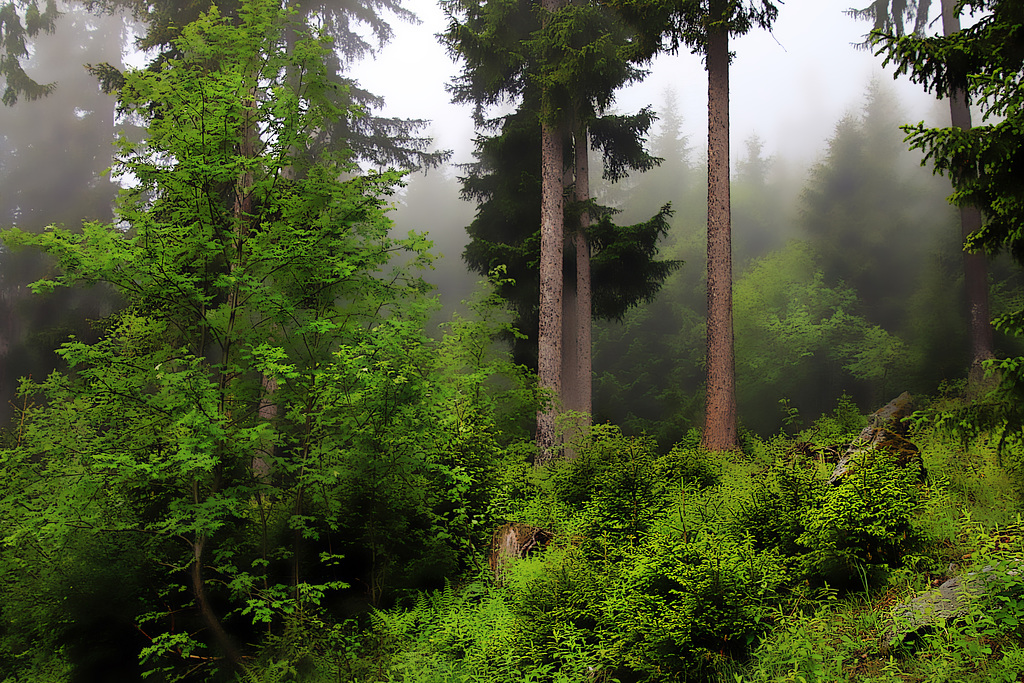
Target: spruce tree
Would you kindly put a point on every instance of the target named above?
(563, 69)
(380, 141)
(983, 62)
(705, 26)
(21, 20)
(890, 17)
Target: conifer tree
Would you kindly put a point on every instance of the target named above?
(19, 21)
(563, 70)
(56, 150)
(705, 26)
(985, 165)
(552, 242)
(890, 17)
(381, 141)
(983, 62)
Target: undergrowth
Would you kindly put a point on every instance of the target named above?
(747, 566)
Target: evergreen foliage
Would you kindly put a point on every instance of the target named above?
(20, 21)
(505, 50)
(264, 469)
(984, 61)
(721, 576)
(247, 288)
(73, 124)
(381, 141)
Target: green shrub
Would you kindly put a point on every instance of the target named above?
(557, 601)
(868, 520)
(692, 466)
(773, 513)
(613, 482)
(469, 630)
(842, 425)
(679, 606)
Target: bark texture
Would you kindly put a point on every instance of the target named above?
(549, 337)
(514, 541)
(582, 396)
(720, 408)
(577, 304)
(975, 265)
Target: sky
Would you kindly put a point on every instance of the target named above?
(790, 87)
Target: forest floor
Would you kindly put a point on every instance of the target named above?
(735, 568)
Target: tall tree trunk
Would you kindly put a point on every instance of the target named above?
(570, 339)
(975, 265)
(549, 338)
(576, 303)
(720, 408)
(581, 400)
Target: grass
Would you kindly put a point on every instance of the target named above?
(609, 602)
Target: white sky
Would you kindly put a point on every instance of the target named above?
(790, 87)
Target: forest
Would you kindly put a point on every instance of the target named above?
(288, 394)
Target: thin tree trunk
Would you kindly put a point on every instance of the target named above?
(549, 338)
(213, 623)
(582, 373)
(242, 215)
(570, 339)
(975, 265)
(720, 408)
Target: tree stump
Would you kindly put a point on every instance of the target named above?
(514, 541)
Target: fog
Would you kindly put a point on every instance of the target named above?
(845, 249)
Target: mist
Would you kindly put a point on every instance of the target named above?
(847, 273)
(300, 389)
(846, 256)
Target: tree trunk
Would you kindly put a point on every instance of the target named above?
(576, 368)
(210, 618)
(720, 408)
(570, 338)
(975, 265)
(242, 215)
(584, 299)
(549, 338)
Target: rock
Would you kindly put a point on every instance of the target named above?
(891, 415)
(906, 452)
(948, 601)
(886, 431)
(951, 599)
(513, 541)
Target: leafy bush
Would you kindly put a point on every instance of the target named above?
(689, 465)
(868, 520)
(558, 601)
(840, 426)
(613, 482)
(773, 514)
(677, 605)
(470, 629)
